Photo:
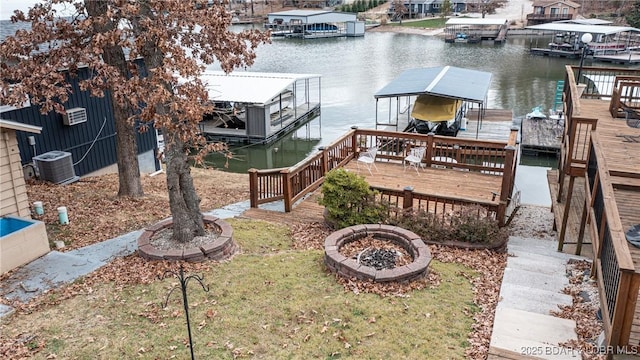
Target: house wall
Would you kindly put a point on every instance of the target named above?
(13, 190)
(92, 144)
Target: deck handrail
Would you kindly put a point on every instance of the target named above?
(439, 206)
(615, 272)
(292, 184)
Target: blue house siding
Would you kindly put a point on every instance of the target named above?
(92, 144)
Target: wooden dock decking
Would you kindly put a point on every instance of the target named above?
(540, 136)
(435, 181)
(496, 125)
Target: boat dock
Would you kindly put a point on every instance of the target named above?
(540, 136)
(628, 58)
(258, 108)
(496, 125)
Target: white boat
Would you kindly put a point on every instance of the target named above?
(536, 114)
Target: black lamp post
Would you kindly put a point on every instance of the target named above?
(586, 39)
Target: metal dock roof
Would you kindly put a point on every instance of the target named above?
(312, 16)
(249, 87)
(445, 81)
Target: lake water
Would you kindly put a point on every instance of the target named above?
(353, 69)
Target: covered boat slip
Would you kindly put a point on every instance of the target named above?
(311, 24)
(474, 30)
(437, 94)
(618, 44)
(253, 107)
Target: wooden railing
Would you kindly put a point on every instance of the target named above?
(577, 133)
(292, 184)
(440, 206)
(613, 266)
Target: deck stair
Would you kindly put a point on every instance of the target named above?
(532, 286)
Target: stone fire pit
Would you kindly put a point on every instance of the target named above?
(350, 268)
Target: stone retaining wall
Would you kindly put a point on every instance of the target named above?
(219, 249)
(349, 268)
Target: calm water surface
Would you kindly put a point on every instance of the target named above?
(353, 69)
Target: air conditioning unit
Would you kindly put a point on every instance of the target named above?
(75, 116)
(56, 167)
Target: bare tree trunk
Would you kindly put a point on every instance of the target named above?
(183, 199)
(126, 146)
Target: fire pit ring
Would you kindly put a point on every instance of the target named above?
(350, 268)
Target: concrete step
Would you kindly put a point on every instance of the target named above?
(537, 263)
(532, 334)
(518, 246)
(522, 297)
(534, 280)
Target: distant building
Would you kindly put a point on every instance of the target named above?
(545, 11)
(419, 9)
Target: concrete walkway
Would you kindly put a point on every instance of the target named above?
(532, 285)
(58, 268)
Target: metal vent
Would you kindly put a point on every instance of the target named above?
(75, 116)
(56, 167)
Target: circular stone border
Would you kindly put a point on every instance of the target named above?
(349, 268)
(219, 249)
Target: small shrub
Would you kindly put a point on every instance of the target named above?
(472, 225)
(349, 200)
(469, 225)
(430, 227)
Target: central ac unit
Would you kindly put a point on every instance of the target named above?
(56, 167)
(75, 116)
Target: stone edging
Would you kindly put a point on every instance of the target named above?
(222, 248)
(349, 268)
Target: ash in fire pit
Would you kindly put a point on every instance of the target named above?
(378, 258)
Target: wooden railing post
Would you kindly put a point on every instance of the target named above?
(324, 161)
(407, 199)
(507, 179)
(354, 141)
(286, 190)
(429, 154)
(253, 188)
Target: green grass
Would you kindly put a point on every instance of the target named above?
(433, 23)
(269, 302)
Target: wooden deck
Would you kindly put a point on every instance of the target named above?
(440, 182)
(540, 136)
(614, 165)
(392, 175)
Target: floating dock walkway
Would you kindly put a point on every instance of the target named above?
(541, 136)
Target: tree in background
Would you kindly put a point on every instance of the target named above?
(633, 16)
(446, 8)
(485, 6)
(175, 38)
(399, 10)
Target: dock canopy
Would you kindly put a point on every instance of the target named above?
(249, 87)
(444, 81)
(310, 16)
(583, 28)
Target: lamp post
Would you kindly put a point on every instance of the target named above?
(586, 39)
